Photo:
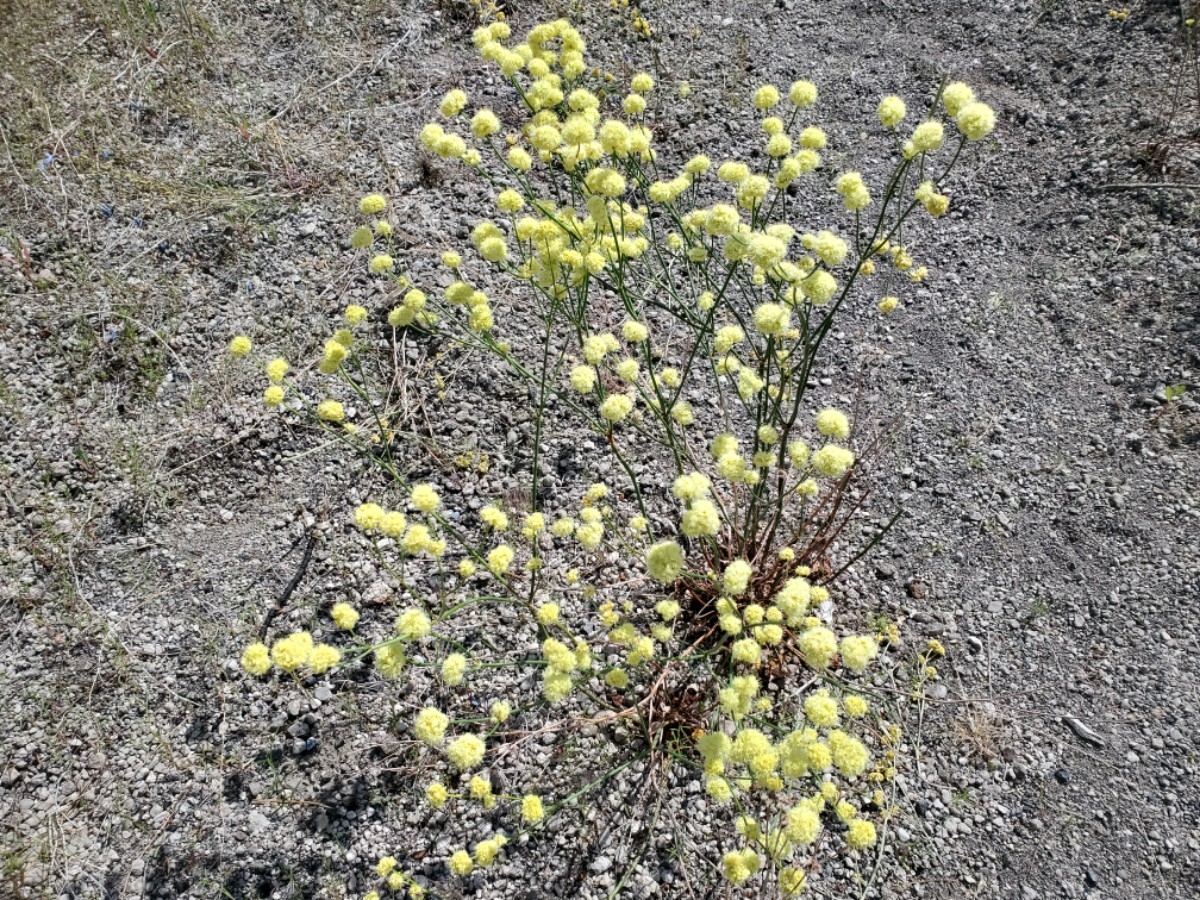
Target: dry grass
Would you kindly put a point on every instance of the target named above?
(980, 730)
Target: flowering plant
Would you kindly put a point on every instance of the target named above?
(678, 316)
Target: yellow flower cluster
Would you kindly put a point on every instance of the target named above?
(413, 625)
(344, 616)
(853, 190)
(935, 204)
(833, 424)
(288, 654)
(532, 811)
(461, 862)
(395, 880)
(795, 758)
(466, 752)
(562, 247)
(664, 561)
(739, 865)
(411, 309)
(625, 217)
(430, 726)
(412, 537)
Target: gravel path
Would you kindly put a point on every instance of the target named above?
(169, 181)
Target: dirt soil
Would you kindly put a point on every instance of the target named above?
(175, 173)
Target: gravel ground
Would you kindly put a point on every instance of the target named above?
(174, 177)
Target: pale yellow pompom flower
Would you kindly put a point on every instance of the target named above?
(430, 725)
(372, 204)
(737, 577)
(833, 423)
(466, 752)
(634, 104)
(627, 370)
(803, 94)
(583, 379)
(454, 667)
(412, 625)
(832, 460)
(509, 201)
(860, 834)
(722, 445)
(493, 249)
(425, 498)
(330, 411)
(732, 173)
(813, 138)
(323, 658)
(665, 561)
(792, 881)
(240, 346)
(928, 136)
(494, 518)
(818, 646)
(368, 516)
(976, 121)
(532, 810)
(487, 851)
(520, 159)
(702, 518)
(828, 247)
(499, 559)
(821, 710)
(484, 124)
(819, 287)
(293, 651)
(727, 337)
(385, 866)
(256, 659)
(803, 824)
(772, 319)
(766, 97)
(344, 616)
(891, 111)
(634, 332)
(437, 795)
(956, 96)
(453, 103)
(499, 712)
(460, 863)
(858, 651)
(617, 678)
(389, 659)
(616, 407)
(855, 706)
(276, 369)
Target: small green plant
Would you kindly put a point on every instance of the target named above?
(678, 317)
